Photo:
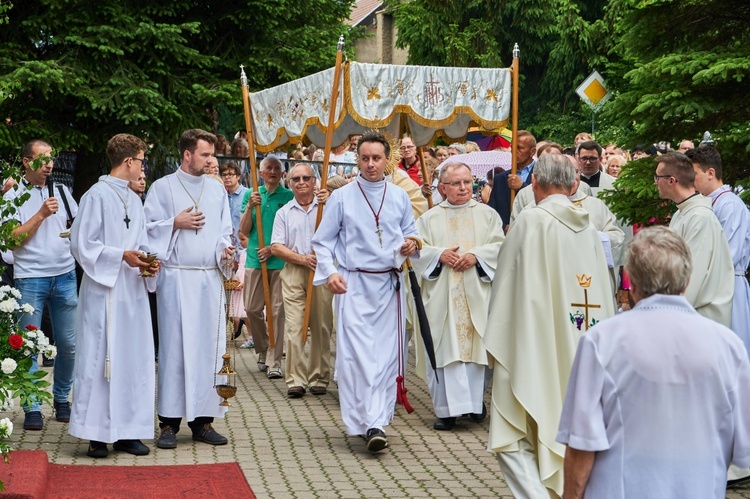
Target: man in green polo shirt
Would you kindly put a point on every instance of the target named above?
(271, 197)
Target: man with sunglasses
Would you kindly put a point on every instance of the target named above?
(711, 285)
(45, 270)
(293, 229)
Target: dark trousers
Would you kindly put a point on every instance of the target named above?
(194, 425)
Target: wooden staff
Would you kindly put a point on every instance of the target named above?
(258, 220)
(324, 172)
(514, 126)
(420, 155)
(426, 180)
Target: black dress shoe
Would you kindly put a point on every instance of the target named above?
(480, 417)
(134, 447)
(444, 424)
(167, 438)
(208, 435)
(376, 440)
(97, 449)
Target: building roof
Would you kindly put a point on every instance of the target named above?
(363, 9)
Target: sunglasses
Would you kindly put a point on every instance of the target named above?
(303, 178)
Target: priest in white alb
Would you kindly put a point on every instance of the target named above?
(189, 227)
(113, 400)
(552, 285)
(461, 241)
(366, 233)
(711, 287)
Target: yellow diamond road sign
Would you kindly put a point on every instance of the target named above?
(592, 90)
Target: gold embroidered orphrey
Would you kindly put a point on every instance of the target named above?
(585, 281)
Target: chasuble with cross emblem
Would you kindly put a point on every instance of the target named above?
(551, 267)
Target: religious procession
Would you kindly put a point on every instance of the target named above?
(373, 229)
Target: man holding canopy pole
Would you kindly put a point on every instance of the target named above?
(368, 229)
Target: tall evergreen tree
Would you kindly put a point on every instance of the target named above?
(87, 70)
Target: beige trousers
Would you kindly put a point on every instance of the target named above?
(255, 302)
(315, 368)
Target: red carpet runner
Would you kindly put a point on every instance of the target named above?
(31, 475)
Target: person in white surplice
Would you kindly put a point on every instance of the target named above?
(711, 286)
(368, 229)
(457, 263)
(189, 227)
(552, 284)
(113, 400)
(658, 398)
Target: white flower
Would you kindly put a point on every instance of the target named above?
(31, 335)
(4, 290)
(29, 343)
(50, 351)
(6, 427)
(42, 341)
(27, 308)
(15, 293)
(9, 305)
(8, 365)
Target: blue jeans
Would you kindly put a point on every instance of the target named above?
(61, 294)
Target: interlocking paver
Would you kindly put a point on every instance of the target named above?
(297, 448)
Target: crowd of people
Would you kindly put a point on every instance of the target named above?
(644, 396)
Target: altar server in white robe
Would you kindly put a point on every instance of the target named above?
(461, 241)
(552, 285)
(368, 230)
(113, 400)
(189, 227)
(658, 399)
(711, 286)
(734, 218)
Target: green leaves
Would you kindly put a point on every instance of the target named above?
(88, 70)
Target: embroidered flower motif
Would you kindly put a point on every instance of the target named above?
(373, 93)
(491, 95)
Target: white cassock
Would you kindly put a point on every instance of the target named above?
(734, 218)
(711, 285)
(190, 293)
(457, 303)
(115, 401)
(370, 333)
(552, 282)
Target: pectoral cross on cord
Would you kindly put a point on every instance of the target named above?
(126, 220)
(378, 230)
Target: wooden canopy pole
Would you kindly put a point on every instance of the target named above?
(258, 218)
(514, 125)
(425, 180)
(324, 172)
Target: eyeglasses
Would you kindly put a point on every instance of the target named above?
(588, 159)
(303, 178)
(142, 160)
(228, 174)
(459, 183)
(657, 177)
(404, 148)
